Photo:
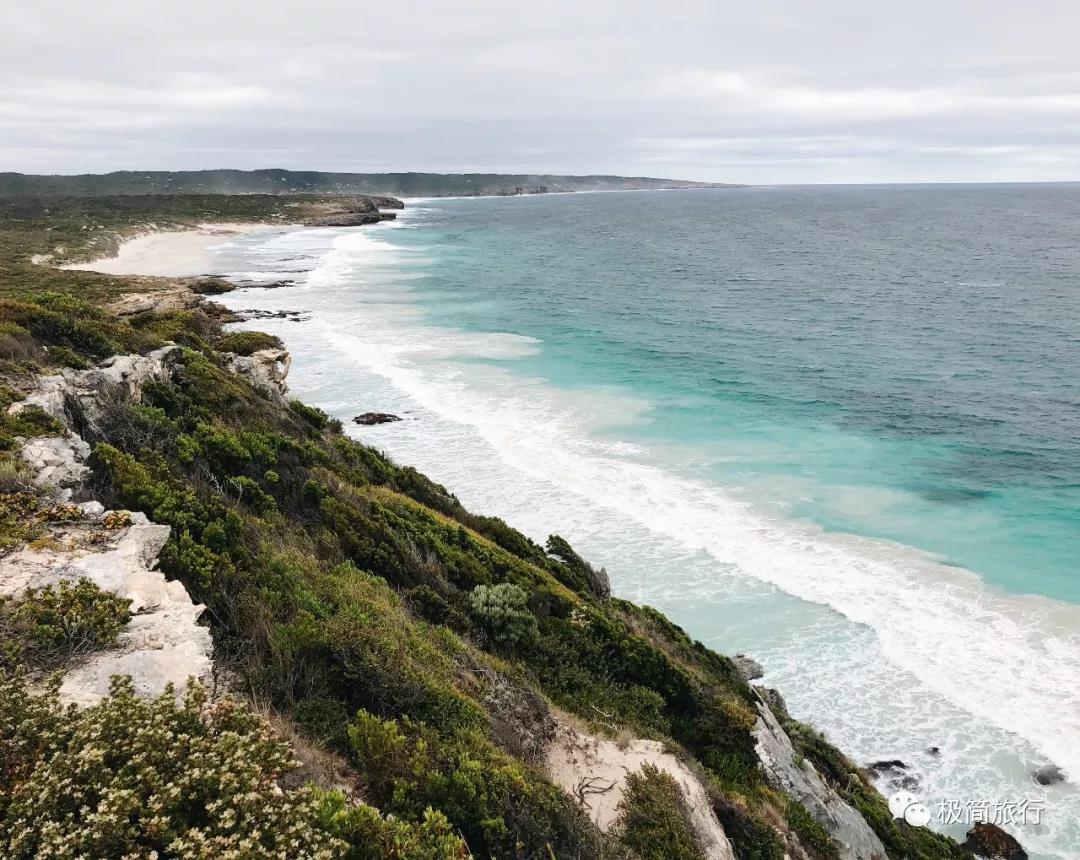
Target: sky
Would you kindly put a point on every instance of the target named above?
(760, 92)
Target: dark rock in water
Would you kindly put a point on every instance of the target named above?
(351, 219)
(894, 772)
(887, 764)
(993, 843)
(1049, 774)
(933, 750)
(748, 667)
(259, 314)
(369, 418)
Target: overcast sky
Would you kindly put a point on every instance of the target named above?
(760, 92)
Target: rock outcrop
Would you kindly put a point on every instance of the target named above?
(748, 667)
(162, 644)
(853, 837)
(79, 398)
(353, 212)
(265, 369)
(160, 301)
(117, 551)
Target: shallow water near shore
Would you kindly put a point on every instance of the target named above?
(835, 428)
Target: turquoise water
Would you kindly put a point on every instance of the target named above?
(908, 359)
(831, 427)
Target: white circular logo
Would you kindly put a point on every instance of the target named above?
(906, 805)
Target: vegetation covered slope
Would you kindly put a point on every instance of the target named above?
(297, 181)
(414, 654)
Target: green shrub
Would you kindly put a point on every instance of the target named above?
(653, 819)
(750, 837)
(248, 342)
(136, 778)
(372, 836)
(54, 625)
(501, 806)
(503, 613)
(311, 414)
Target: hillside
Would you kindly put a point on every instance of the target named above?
(296, 182)
(379, 673)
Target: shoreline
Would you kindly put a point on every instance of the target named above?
(169, 253)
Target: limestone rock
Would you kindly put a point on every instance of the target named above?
(854, 838)
(58, 462)
(162, 644)
(160, 301)
(265, 369)
(78, 397)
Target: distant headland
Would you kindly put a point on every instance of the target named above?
(310, 181)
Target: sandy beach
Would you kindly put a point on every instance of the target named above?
(178, 253)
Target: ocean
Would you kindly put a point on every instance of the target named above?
(835, 428)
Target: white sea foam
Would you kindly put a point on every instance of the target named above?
(930, 654)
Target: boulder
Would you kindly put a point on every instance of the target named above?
(58, 462)
(369, 418)
(748, 667)
(993, 843)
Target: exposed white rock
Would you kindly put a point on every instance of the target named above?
(854, 838)
(160, 301)
(82, 393)
(594, 770)
(163, 643)
(265, 369)
(58, 462)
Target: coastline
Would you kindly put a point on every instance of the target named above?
(167, 251)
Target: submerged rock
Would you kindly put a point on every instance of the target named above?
(1049, 774)
(895, 773)
(993, 843)
(369, 418)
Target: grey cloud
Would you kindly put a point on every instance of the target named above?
(837, 90)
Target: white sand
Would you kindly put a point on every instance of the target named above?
(180, 253)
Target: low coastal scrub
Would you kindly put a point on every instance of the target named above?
(137, 778)
(176, 779)
(53, 625)
(653, 819)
